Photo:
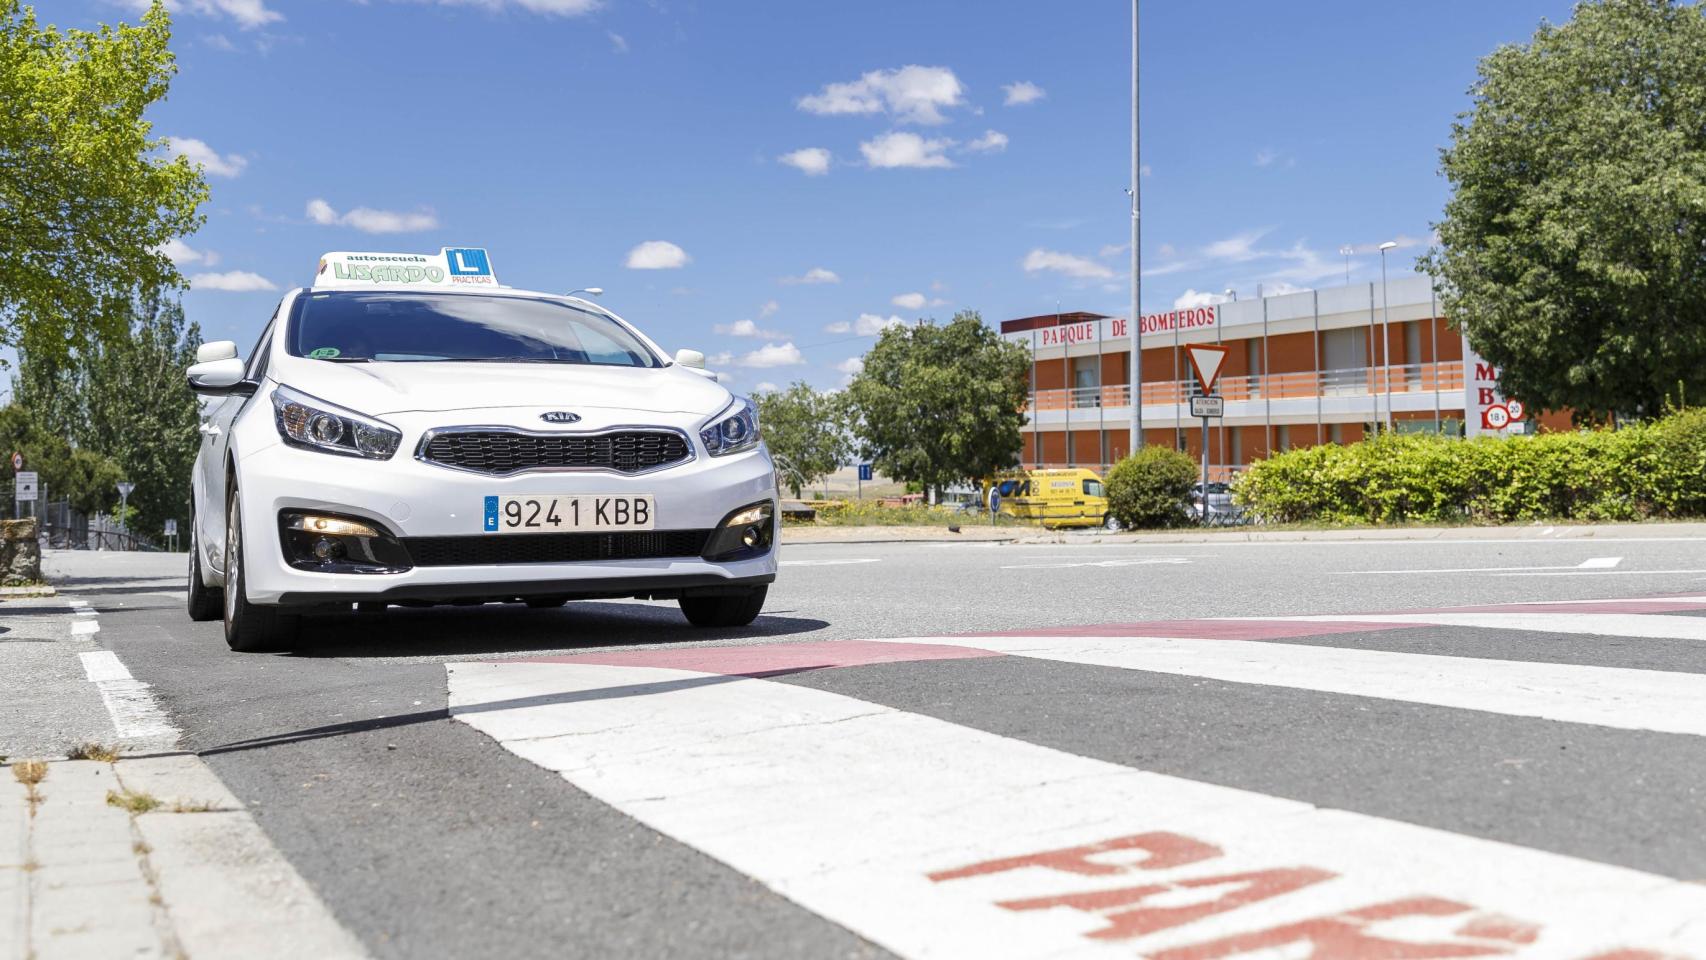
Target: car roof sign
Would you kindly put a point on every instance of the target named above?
(450, 268)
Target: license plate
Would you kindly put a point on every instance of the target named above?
(553, 514)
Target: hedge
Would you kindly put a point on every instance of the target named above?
(1655, 469)
(1150, 488)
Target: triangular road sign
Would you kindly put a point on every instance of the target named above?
(1206, 360)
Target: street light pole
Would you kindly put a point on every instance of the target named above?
(1134, 325)
(1386, 333)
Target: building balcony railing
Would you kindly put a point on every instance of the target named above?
(1356, 381)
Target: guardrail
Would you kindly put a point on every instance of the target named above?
(1356, 381)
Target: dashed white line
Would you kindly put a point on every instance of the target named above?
(137, 718)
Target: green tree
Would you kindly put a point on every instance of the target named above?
(126, 400)
(86, 199)
(807, 431)
(83, 477)
(1573, 249)
(938, 405)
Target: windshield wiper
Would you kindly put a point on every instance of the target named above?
(508, 360)
(343, 359)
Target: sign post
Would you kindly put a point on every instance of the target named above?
(124, 488)
(1206, 362)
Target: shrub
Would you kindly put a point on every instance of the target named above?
(1655, 469)
(1150, 488)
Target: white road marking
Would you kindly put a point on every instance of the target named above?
(83, 628)
(137, 718)
(1600, 563)
(827, 563)
(1118, 562)
(1593, 563)
(1647, 626)
(1600, 573)
(1602, 696)
(887, 823)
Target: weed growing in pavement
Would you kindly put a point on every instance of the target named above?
(93, 751)
(132, 801)
(193, 806)
(31, 773)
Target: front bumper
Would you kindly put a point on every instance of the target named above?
(411, 499)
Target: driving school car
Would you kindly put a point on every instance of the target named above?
(408, 431)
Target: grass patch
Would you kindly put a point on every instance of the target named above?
(93, 751)
(192, 806)
(132, 801)
(29, 772)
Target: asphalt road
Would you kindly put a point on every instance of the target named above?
(431, 835)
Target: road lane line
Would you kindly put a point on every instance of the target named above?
(1643, 625)
(941, 841)
(82, 627)
(1616, 697)
(1600, 563)
(137, 718)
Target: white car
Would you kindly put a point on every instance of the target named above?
(409, 432)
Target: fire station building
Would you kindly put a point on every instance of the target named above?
(1320, 366)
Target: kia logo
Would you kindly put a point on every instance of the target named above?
(560, 416)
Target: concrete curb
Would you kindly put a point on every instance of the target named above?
(1555, 532)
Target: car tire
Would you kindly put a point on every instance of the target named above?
(734, 610)
(545, 603)
(205, 602)
(249, 627)
(1111, 524)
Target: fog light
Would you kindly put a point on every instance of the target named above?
(751, 537)
(746, 532)
(330, 526)
(325, 549)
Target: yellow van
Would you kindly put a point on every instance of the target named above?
(1071, 497)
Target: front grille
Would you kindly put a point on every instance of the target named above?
(512, 548)
(501, 452)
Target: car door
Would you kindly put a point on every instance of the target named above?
(217, 417)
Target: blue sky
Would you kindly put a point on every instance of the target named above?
(771, 181)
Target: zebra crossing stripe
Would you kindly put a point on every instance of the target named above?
(1603, 696)
(1645, 626)
(938, 840)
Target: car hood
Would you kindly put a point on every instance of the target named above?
(384, 388)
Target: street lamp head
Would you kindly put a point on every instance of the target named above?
(1388, 245)
(1347, 250)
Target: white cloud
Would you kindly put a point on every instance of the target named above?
(1066, 263)
(1238, 247)
(551, 8)
(769, 309)
(773, 355)
(1110, 250)
(1404, 242)
(369, 220)
(905, 149)
(618, 43)
(1023, 92)
(657, 255)
(811, 161)
(249, 14)
(910, 301)
(764, 386)
(180, 253)
(869, 324)
(1194, 298)
(992, 141)
(744, 328)
(1145, 170)
(236, 281)
(912, 94)
(1266, 156)
(722, 359)
(198, 152)
(814, 275)
(839, 326)
(851, 365)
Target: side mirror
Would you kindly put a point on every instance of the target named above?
(690, 358)
(219, 377)
(216, 350)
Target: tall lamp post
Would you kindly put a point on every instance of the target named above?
(1134, 326)
(1386, 334)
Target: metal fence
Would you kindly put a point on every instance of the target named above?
(63, 528)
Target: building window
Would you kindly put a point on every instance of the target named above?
(1086, 378)
(1282, 437)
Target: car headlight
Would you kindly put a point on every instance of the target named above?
(305, 421)
(733, 433)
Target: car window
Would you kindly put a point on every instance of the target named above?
(344, 326)
(1093, 488)
(258, 359)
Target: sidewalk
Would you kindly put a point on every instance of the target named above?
(135, 850)
(1247, 534)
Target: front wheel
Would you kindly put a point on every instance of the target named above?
(249, 627)
(1111, 523)
(205, 602)
(734, 610)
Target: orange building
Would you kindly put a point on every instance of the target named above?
(1321, 366)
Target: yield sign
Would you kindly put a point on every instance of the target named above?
(1206, 360)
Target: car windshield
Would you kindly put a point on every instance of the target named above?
(356, 326)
